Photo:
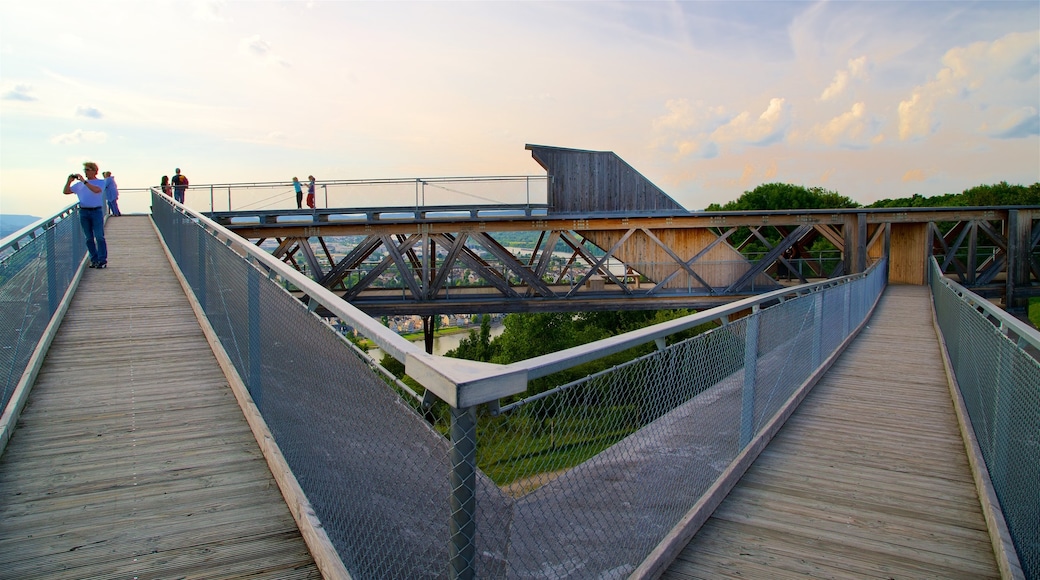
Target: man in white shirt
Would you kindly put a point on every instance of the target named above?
(90, 191)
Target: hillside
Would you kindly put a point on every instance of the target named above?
(10, 224)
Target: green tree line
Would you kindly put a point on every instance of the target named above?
(775, 196)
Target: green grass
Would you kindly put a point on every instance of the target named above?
(1034, 311)
(521, 446)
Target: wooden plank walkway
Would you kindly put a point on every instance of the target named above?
(869, 478)
(132, 458)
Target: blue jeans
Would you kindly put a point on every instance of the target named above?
(178, 194)
(92, 220)
(113, 207)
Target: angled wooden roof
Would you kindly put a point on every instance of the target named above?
(598, 181)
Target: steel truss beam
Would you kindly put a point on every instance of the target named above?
(665, 260)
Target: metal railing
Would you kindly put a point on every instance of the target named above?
(464, 479)
(999, 381)
(39, 268)
(361, 193)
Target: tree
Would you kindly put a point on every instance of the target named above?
(477, 346)
(1001, 193)
(772, 196)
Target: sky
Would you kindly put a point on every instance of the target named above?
(708, 100)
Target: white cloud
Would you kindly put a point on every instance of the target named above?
(79, 136)
(849, 128)
(208, 11)
(995, 78)
(91, 112)
(19, 93)
(856, 70)
(254, 45)
(769, 127)
(1023, 122)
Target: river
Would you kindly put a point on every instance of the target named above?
(444, 343)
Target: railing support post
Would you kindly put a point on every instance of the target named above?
(200, 245)
(463, 526)
(817, 343)
(846, 320)
(52, 272)
(255, 371)
(747, 401)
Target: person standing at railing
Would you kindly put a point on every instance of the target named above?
(180, 183)
(90, 191)
(112, 194)
(310, 191)
(299, 192)
(165, 185)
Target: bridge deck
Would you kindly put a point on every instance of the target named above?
(868, 479)
(132, 457)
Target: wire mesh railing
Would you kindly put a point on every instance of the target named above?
(364, 193)
(999, 381)
(494, 479)
(37, 266)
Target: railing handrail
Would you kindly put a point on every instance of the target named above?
(1024, 332)
(29, 231)
(457, 382)
(462, 383)
(387, 340)
(378, 181)
(547, 364)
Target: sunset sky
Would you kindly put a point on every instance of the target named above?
(706, 99)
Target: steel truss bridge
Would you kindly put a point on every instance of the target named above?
(608, 239)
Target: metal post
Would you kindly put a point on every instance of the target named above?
(200, 250)
(817, 330)
(78, 239)
(52, 271)
(211, 201)
(747, 401)
(463, 504)
(255, 372)
(846, 322)
(1002, 405)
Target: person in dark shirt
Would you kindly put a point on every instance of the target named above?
(180, 183)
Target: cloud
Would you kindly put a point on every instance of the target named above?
(79, 136)
(91, 112)
(849, 128)
(19, 93)
(993, 77)
(209, 11)
(769, 127)
(856, 70)
(254, 45)
(1024, 122)
(915, 115)
(914, 175)
(683, 115)
(686, 127)
(260, 48)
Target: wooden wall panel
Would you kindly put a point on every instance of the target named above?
(720, 266)
(908, 263)
(597, 182)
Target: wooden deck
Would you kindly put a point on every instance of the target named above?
(132, 458)
(868, 479)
